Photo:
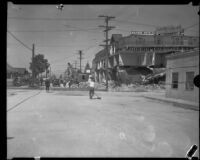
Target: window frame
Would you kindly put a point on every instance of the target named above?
(189, 82)
(173, 83)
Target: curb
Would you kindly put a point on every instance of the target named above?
(177, 104)
(56, 89)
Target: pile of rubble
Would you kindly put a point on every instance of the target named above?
(133, 87)
(128, 88)
(84, 85)
(100, 85)
(114, 87)
(74, 86)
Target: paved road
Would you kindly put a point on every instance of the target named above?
(64, 124)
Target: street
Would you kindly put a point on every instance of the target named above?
(121, 124)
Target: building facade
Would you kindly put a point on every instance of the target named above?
(16, 72)
(132, 56)
(181, 70)
(13, 73)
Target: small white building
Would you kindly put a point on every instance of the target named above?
(182, 67)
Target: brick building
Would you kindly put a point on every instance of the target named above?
(133, 56)
(181, 70)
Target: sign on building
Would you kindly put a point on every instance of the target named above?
(142, 33)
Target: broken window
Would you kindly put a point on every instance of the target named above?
(174, 80)
(189, 81)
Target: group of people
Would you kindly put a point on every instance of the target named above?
(91, 84)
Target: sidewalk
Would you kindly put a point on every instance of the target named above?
(175, 102)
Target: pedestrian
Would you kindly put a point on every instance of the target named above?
(41, 81)
(47, 84)
(91, 87)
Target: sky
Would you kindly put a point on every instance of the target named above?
(60, 34)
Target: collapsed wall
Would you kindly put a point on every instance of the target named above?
(130, 74)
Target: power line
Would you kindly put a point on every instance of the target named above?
(185, 28)
(19, 41)
(69, 26)
(135, 23)
(58, 46)
(93, 46)
(122, 30)
(191, 26)
(58, 60)
(77, 19)
(72, 30)
(80, 19)
(65, 46)
(55, 19)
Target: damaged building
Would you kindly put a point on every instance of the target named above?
(133, 57)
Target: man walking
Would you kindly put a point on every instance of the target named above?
(41, 81)
(91, 86)
(47, 84)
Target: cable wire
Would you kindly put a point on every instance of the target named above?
(129, 22)
(19, 41)
(191, 26)
(55, 19)
(72, 30)
(58, 60)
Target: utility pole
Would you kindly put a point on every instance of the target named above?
(33, 65)
(50, 71)
(107, 28)
(80, 53)
(75, 63)
(46, 72)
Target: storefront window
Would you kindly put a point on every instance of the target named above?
(189, 85)
(174, 80)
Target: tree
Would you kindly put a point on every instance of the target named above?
(40, 65)
(68, 72)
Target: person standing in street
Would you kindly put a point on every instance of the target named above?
(91, 87)
(41, 81)
(47, 84)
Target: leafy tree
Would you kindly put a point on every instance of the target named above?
(40, 65)
(68, 72)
